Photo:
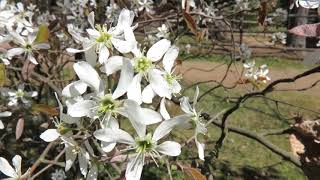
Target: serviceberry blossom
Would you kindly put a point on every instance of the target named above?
(4, 114)
(27, 47)
(258, 75)
(163, 31)
(20, 94)
(99, 103)
(58, 174)
(61, 125)
(13, 173)
(145, 144)
(101, 40)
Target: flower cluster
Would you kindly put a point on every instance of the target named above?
(96, 108)
(254, 74)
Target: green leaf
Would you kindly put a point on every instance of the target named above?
(43, 34)
(3, 76)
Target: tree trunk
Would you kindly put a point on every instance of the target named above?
(300, 19)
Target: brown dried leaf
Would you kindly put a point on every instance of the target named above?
(27, 69)
(296, 146)
(46, 109)
(193, 173)
(306, 30)
(192, 25)
(19, 128)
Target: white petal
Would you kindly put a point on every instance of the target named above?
(91, 19)
(1, 125)
(112, 65)
(50, 135)
(91, 56)
(123, 46)
(150, 116)
(126, 78)
(5, 114)
(89, 75)
(16, 162)
(200, 148)
(169, 58)
(169, 148)
(134, 167)
(185, 105)
(129, 35)
(74, 51)
(159, 84)
(93, 173)
(113, 135)
(103, 54)
(163, 109)
(70, 158)
(148, 94)
(31, 94)
(195, 98)
(125, 18)
(108, 146)
(74, 89)
(41, 46)
(134, 89)
(6, 168)
(14, 52)
(166, 126)
(156, 51)
(81, 108)
(32, 59)
(83, 162)
(136, 116)
(176, 87)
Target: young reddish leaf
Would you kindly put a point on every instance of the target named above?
(193, 173)
(307, 30)
(3, 76)
(46, 109)
(192, 25)
(43, 34)
(19, 128)
(262, 13)
(27, 69)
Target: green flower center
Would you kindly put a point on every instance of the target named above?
(194, 121)
(169, 78)
(19, 93)
(145, 144)
(104, 37)
(28, 47)
(62, 129)
(107, 104)
(142, 64)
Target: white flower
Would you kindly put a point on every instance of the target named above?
(4, 114)
(3, 57)
(99, 104)
(145, 4)
(74, 150)
(101, 40)
(58, 174)
(190, 2)
(14, 96)
(61, 126)
(163, 31)
(144, 145)
(259, 75)
(8, 170)
(312, 4)
(144, 67)
(27, 46)
(262, 74)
